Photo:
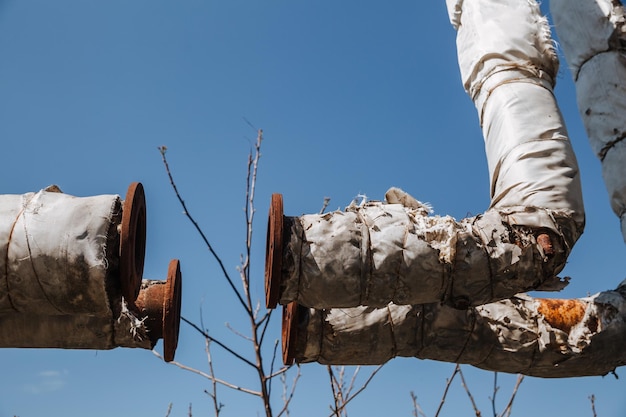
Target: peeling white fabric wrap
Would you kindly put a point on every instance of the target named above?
(508, 66)
(377, 253)
(593, 37)
(507, 336)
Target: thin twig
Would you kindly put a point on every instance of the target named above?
(210, 378)
(186, 212)
(169, 410)
(352, 381)
(325, 205)
(217, 342)
(269, 382)
(417, 410)
(593, 405)
(509, 406)
(217, 406)
(336, 388)
(445, 391)
(469, 394)
(238, 333)
(363, 387)
(287, 399)
(495, 391)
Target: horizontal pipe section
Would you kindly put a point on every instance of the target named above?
(538, 337)
(379, 253)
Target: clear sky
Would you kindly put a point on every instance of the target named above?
(354, 97)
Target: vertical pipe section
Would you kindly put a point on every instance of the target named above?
(508, 66)
(592, 34)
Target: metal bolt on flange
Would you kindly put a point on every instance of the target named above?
(160, 302)
(274, 251)
(132, 241)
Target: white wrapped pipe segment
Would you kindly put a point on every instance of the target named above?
(56, 252)
(382, 253)
(377, 253)
(593, 38)
(70, 274)
(538, 337)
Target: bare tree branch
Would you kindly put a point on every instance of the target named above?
(287, 398)
(361, 389)
(211, 378)
(593, 405)
(417, 410)
(186, 212)
(445, 391)
(469, 394)
(217, 342)
(509, 406)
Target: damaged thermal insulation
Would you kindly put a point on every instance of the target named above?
(539, 337)
(71, 274)
(377, 253)
(592, 34)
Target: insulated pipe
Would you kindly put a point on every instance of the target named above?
(156, 315)
(539, 337)
(378, 253)
(592, 34)
(61, 254)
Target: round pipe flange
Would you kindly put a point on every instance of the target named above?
(274, 251)
(291, 319)
(132, 241)
(159, 302)
(171, 310)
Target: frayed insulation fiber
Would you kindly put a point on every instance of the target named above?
(592, 35)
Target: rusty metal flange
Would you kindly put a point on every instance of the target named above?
(171, 310)
(132, 241)
(274, 251)
(159, 304)
(291, 320)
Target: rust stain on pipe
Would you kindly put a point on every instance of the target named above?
(545, 242)
(562, 314)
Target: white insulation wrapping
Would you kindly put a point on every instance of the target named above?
(59, 277)
(53, 252)
(508, 67)
(379, 253)
(592, 34)
(544, 338)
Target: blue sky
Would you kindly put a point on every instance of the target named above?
(353, 96)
